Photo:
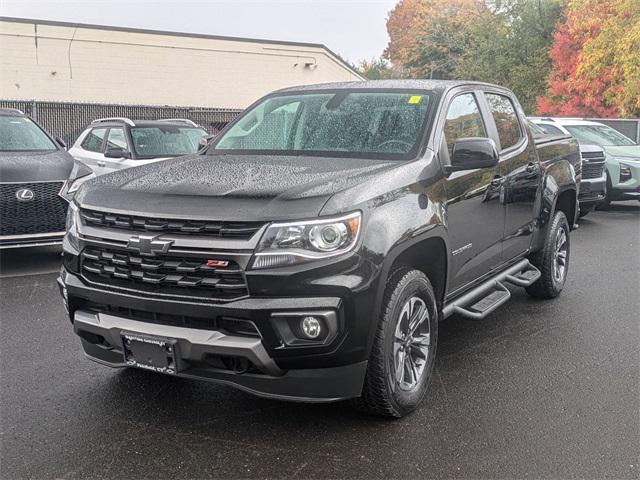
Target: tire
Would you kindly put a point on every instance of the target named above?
(400, 366)
(553, 274)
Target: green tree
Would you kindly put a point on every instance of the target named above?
(500, 41)
(510, 47)
(377, 69)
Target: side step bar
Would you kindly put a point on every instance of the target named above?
(486, 297)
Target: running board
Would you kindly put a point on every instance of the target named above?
(486, 297)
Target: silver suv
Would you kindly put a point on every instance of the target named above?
(110, 144)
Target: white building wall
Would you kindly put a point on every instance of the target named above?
(90, 64)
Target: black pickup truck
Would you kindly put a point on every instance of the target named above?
(311, 250)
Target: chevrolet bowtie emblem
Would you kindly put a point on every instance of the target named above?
(149, 245)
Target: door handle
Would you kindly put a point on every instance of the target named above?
(531, 167)
(101, 163)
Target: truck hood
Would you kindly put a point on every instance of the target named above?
(631, 152)
(229, 187)
(35, 166)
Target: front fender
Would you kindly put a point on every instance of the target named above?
(400, 221)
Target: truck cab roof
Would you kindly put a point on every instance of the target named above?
(439, 86)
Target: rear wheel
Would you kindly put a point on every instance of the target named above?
(402, 357)
(552, 260)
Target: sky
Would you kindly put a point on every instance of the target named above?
(355, 29)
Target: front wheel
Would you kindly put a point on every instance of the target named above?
(552, 260)
(404, 349)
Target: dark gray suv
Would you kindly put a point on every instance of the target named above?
(33, 170)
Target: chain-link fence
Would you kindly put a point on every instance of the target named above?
(626, 126)
(68, 120)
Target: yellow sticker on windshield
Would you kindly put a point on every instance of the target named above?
(414, 99)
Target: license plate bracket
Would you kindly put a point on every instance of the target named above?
(150, 352)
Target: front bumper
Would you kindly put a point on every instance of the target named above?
(101, 341)
(593, 191)
(624, 188)
(31, 240)
(327, 371)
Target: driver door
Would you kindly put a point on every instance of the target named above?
(474, 215)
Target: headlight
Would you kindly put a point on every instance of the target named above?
(625, 173)
(71, 226)
(77, 183)
(80, 173)
(299, 242)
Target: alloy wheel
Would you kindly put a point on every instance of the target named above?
(560, 256)
(411, 344)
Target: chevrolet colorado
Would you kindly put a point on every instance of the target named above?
(310, 250)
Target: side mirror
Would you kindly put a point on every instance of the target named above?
(472, 153)
(61, 142)
(117, 153)
(205, 140)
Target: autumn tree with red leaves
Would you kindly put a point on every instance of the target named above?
(595, 61)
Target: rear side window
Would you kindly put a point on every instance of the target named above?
(463, 120)
(116, 139)
(93, 141)
(504, 114)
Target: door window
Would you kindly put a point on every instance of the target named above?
(507, 124)
(93, 142)
(463, 120)
(116, 139)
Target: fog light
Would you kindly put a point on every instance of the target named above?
(311, 327)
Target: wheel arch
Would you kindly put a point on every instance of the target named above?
(427, 253)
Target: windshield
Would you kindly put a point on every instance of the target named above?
(601, 135)
(164, 141)
(371, 124)
(21, 134)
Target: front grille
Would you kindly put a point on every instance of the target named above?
(237, 230)
(168, 275)
(234, 326)
(599, 155)
(592, 164)
(45, 213)
(592, 170)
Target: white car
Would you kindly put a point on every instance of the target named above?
(110, 144)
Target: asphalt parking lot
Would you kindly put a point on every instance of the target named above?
(538, 389)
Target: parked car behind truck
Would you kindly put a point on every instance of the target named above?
(111, 144)
(622, 153)
(310, 252)
(589, 168)
(33, 170)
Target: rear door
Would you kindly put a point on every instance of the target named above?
(519, 170)
(475, 217)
